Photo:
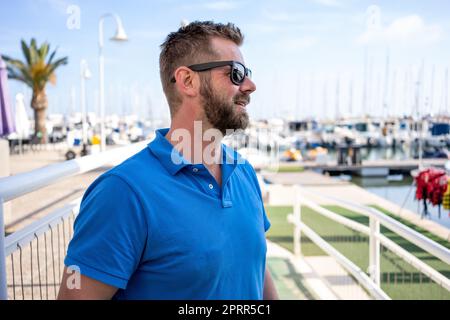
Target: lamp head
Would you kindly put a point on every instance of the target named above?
(120, 32)
(85, 71)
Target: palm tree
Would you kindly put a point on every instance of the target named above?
(36, 72)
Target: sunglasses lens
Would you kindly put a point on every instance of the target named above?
(238, 73)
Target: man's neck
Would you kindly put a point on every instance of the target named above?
(197, 142)
(195, 145)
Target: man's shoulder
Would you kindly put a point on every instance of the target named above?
(142, 163)
(140, 167)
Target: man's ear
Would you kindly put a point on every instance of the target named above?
(187, 81)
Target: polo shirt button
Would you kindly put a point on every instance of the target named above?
(211, 186)
(195, 170)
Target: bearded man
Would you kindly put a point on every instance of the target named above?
(183, 218)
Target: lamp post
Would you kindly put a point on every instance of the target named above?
(85, 74)
(119, 36)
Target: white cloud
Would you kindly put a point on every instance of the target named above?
(409, 31)
(260, 28)
(278, 16)
(329, 3)
(221, 5)
(298, 43)
(142, 34)
(58, 5)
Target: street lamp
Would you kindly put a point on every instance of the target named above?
(119, 36)
(85, 74)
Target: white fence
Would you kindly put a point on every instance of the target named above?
(302, 197)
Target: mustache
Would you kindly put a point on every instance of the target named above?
(242, 97)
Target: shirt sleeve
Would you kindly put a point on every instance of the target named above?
(110, 232)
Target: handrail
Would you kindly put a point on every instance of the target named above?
(415, 262)
(362, 278)
(24, 236)
(18, 185)
(409, 234)
(405, 255)
(303, 197)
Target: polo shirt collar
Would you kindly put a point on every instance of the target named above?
(174, 161)
(167, 155)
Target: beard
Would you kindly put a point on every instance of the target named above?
(221, 113)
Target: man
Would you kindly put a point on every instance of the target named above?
(182, 219)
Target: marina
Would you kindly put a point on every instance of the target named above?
(348, 133)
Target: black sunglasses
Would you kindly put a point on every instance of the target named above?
(237, 74)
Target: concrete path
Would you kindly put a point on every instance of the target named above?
(310, 278)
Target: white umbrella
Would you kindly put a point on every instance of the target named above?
(22, 121)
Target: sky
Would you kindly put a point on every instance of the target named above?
(309, 58)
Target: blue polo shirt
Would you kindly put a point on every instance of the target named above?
(162, 229)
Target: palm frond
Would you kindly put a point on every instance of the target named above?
(26, 51)
(18, 75)
(43, 50)
(6, 58)
(33, 44)
(52, 56)
(14, 62)
(33, 52)
(56, 64)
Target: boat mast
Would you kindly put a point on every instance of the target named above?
(337, 96)
(325, 100)
(350, 102)
(297, 98)
(418, 115)
(431, 98)
(364, 95)
(446, 92)
(386, 88)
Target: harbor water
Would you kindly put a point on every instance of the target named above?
(398, 189)
(402, 193)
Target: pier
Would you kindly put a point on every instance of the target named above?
(368, 168)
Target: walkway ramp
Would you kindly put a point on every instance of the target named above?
(310, 278)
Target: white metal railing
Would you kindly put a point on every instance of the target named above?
(372, 284)
(18, 185)
(24, 236)
(377, 217)
(51, 264)
(374, 290)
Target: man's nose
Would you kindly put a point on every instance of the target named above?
(248, 86)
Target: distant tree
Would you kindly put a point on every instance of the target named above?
(36, 71)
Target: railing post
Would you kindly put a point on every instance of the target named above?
(3, 285)
(374, 251)
(297, 217)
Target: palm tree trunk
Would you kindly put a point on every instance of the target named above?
(39, 103)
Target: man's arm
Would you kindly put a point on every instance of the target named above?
(270, 292)
(88, 288)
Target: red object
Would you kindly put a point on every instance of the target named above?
(431, 184)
